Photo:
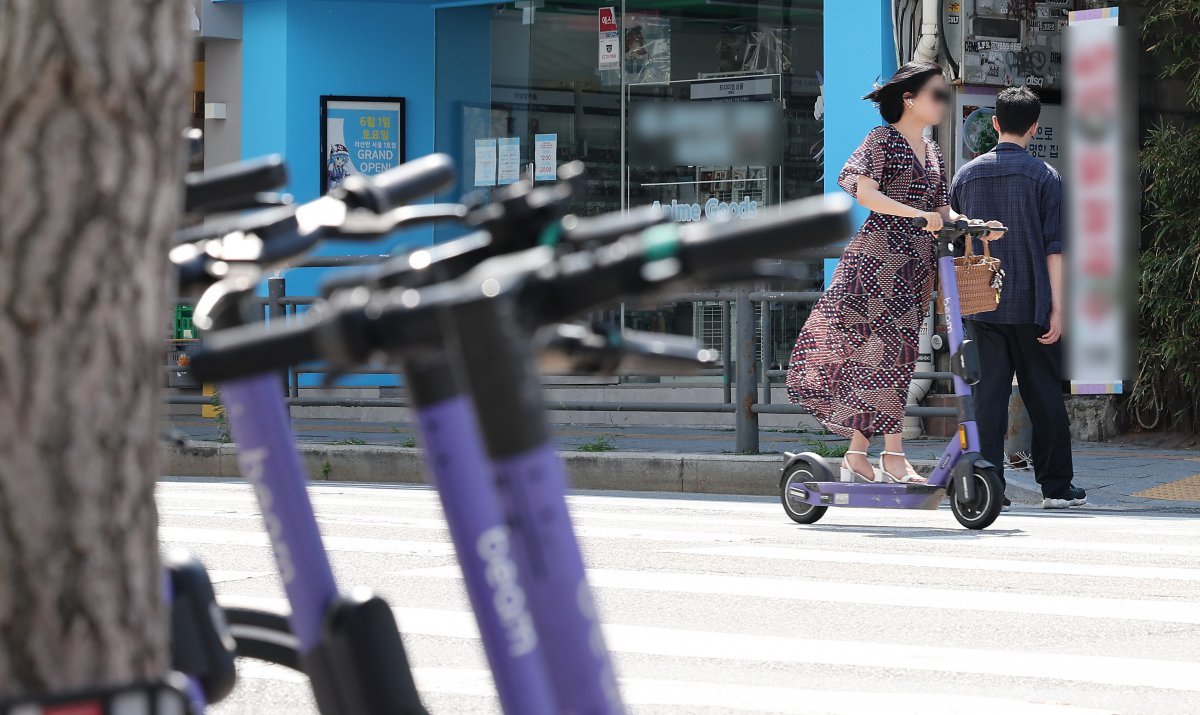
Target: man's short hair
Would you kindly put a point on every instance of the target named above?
(1017, 109)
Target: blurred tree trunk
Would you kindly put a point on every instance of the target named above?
(93, 96)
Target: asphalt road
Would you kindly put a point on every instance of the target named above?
(722, 605)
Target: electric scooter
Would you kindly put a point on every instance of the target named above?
(808, 486)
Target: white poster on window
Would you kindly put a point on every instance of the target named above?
(485, 162)
(508, 169)
(545, 157)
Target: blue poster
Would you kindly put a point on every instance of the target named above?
(361, 136)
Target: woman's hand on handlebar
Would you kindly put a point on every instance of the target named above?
(933, 221)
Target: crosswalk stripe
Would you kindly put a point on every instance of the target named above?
(731, 697)
(250, 537)
(728, 697)
(945, 562)
(678, 643)
(794, 589)
(230, 537)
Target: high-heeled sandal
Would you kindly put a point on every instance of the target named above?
(909, 478)
(849, 475)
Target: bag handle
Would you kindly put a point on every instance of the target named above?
(970, 247)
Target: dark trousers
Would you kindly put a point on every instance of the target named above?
(1008, 349)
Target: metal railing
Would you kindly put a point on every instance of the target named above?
(746, 379)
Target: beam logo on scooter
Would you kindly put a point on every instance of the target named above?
(508, 597)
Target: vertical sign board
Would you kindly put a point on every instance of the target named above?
(545, 157)
(1098, 222)
(610, 39)
(359, 135)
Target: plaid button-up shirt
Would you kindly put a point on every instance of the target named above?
(1025, 194)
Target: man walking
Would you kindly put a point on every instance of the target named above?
(1022, 334)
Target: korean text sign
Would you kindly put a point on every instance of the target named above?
(359, 135)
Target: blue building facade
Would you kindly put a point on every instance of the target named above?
(512, 89)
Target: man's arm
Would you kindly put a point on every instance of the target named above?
(1052, 234)
(1054, 266)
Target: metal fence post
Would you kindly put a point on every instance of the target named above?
(768, 350)
(746, 380)
(726, 352)
(276, 310)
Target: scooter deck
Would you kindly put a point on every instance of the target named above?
(878, 496)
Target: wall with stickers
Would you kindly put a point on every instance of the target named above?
(1002, 43)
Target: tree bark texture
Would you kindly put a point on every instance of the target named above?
(93, 97)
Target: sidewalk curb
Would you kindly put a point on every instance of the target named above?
(748, 475)
(629, 471)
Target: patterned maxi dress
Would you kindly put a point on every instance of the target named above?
(854, 358)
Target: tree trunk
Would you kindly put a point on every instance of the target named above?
(93, 98)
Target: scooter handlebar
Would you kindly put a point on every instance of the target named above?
(961, 227)
(799, 226)
(396, 187)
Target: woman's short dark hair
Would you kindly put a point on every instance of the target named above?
(909, 79)
(1017, 109)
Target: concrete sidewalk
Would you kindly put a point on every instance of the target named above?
(1144, 473)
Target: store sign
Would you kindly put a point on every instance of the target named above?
(758, 88)
(610, 39)
(360, 135)
(712, 209)
(1099, 204)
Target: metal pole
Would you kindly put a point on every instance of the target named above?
(747, 382)
(294, 372)
(726, 352)
(277, 311)
(768, 350)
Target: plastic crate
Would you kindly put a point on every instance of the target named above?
(183, 323)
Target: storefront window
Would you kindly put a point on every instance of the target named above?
(544, 85)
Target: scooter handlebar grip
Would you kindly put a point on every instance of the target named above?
(606, 229)
(250, 350)
(402, 185)
(799, 226)
(234, 182)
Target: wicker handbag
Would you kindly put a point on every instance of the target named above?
(980, 280)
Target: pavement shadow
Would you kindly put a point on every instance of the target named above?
(919, 532)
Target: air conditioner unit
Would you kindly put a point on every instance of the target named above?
(1001, 43)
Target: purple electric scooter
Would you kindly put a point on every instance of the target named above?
(808, 486)
(486, 320)
(484, 525)
(348, 645)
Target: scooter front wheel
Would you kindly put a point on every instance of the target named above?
(988, 504)
(800, 512)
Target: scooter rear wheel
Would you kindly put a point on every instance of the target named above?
(989, 506)
(800, 512)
